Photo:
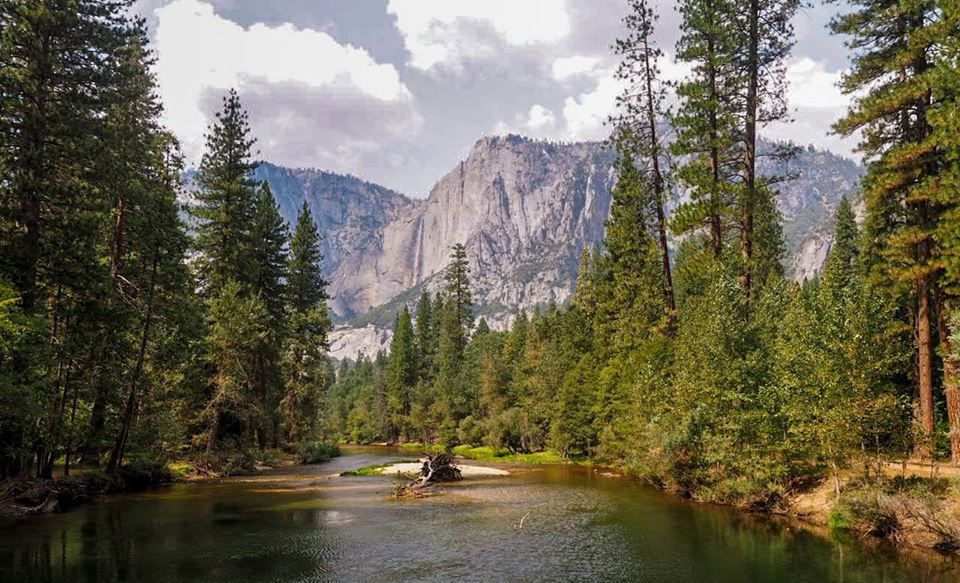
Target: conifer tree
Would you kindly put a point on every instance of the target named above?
(457, 287)
(306, 373)
(269, 238)
(761, 62)
(455, 321)
(944, 80)
(633, 303)
(706, 121)
(227, 200)
(640, 110)
(238, 328)
(842, 264)
(893, 56)
(306, 287)
(426, 337)
(401, 374)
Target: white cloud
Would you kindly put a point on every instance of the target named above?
(566, 67)
(438, 31)
(815, 103)
(540, 118)
(586, 114)
(812, 85)
(200, 53)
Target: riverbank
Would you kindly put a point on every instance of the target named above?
(24, 496)
(911, 506)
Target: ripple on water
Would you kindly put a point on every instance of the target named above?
(555, 524)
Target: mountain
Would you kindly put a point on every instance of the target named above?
(351, 214)
(525, 209)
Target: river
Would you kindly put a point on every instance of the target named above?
(301, 524)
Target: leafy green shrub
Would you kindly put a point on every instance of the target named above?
(872, 511)
(315, 452)
(512, 430)
(838, 520)
(471, 431)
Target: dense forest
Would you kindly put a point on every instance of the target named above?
(130, 329)
(135, 328)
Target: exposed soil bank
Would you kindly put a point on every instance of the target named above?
(23, 496)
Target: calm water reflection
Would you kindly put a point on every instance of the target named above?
(302, 525)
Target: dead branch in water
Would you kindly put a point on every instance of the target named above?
(439, 467)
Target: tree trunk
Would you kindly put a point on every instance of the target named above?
(716, 234)
(750, 149)
(116, 455)
(925, 365)
(951, 376)
(659, 186)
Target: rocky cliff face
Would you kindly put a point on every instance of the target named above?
(525, 209)
(351, 214)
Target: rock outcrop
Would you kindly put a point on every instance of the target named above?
(525, 209)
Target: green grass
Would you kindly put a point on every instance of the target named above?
(180, 469)
(485, 453)
(376, 470)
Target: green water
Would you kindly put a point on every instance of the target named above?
(299, 524)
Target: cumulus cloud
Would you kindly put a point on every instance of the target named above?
(815, 103)
(448, 32)
(585, 115)
(540, 118)
(566, 67)
(812, 85)
(311, 98)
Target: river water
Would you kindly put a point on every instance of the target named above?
(303, 524)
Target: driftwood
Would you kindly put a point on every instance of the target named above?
(436, 468)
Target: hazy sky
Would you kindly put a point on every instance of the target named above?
(397, 91)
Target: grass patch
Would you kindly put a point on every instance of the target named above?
(484, 453)
(489, 454)
(181, 469)
(376, 470)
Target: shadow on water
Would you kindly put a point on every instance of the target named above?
(545, 523)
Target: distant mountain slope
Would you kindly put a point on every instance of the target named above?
(524, 208)
(351, 214)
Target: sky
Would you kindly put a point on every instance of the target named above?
(397, 91)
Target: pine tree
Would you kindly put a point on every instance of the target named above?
(944, 80)
(640, 109)
(306, 287)
(227, 200)
(632, 301)
(706, 121)
(761, 62)
(401, 374)
(842, 265)
(455, 319)
(305, 364)
(426, 340)
(893, 53)
(269, 237)
(457, 287)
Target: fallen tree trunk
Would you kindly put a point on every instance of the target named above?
(439, 467)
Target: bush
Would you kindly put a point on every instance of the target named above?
(315, 452)
(471, 431)
(512, 430)
(872, 511)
